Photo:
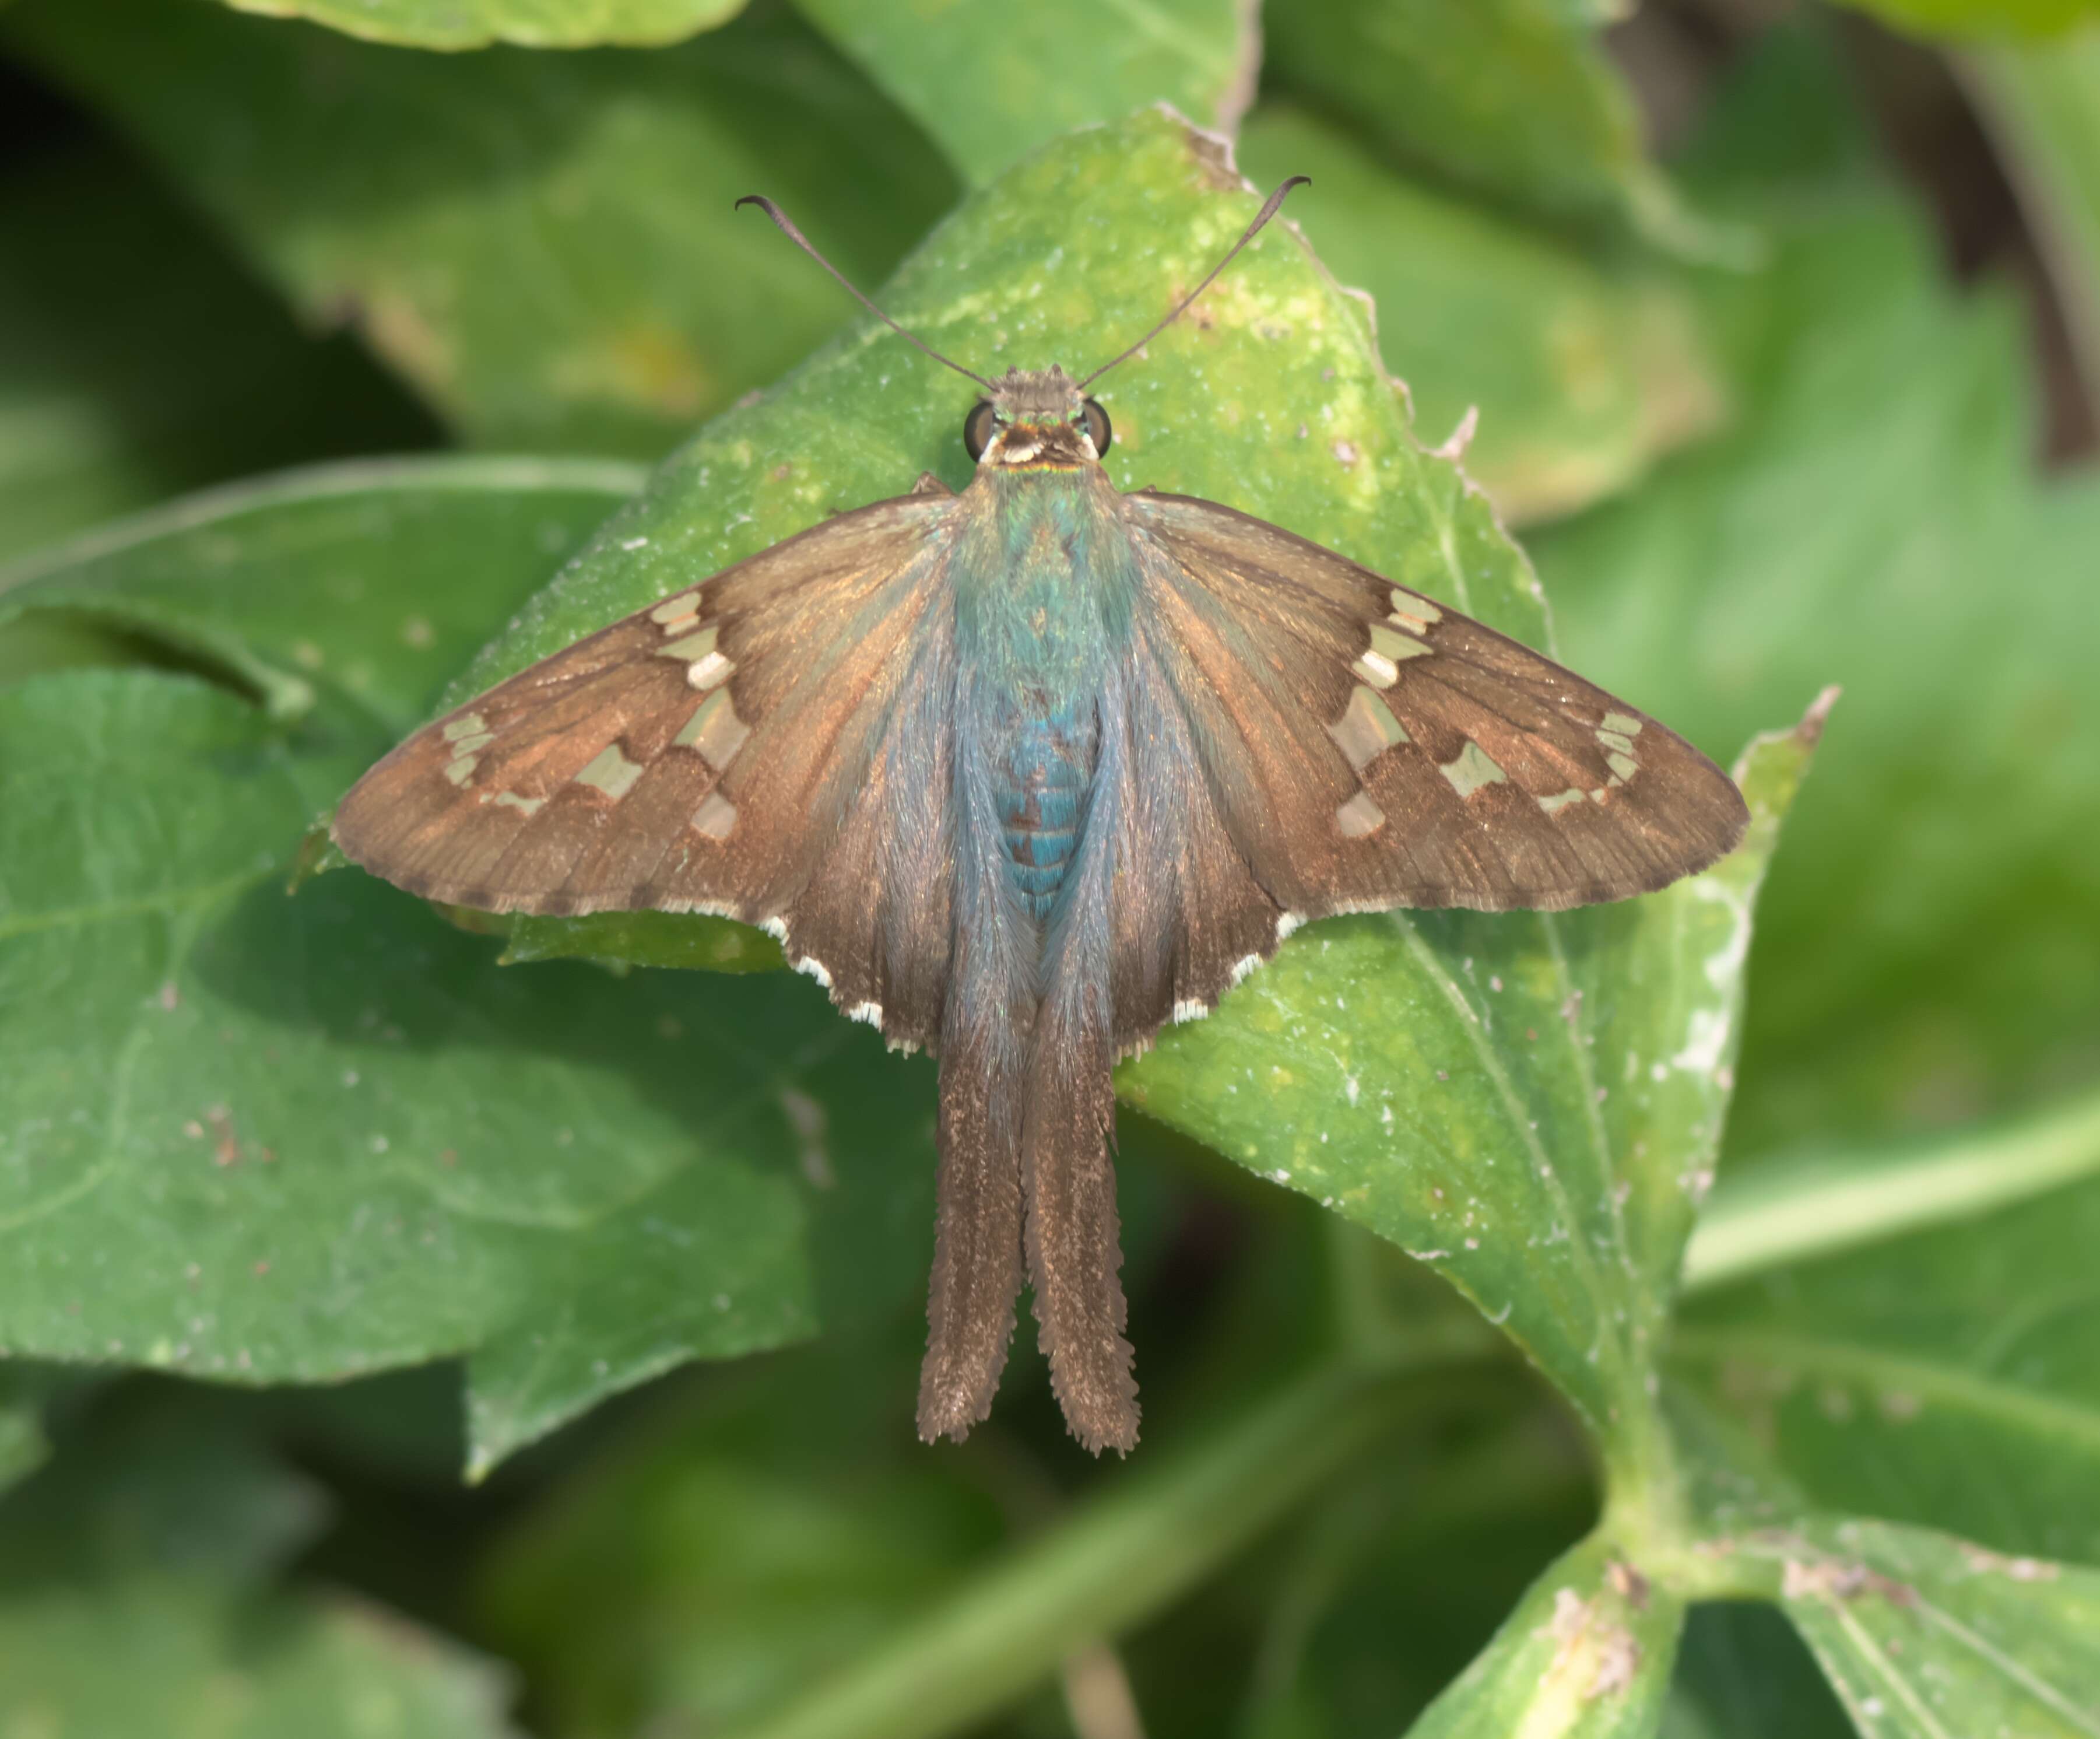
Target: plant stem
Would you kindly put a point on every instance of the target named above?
(1813, 1206)
(1118, 1561)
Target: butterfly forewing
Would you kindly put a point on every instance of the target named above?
(734, 748)
(1362, 747)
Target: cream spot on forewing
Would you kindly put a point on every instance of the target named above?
(868, 1012)
(466, 725)
(1617, 743)
(528, 806)
(1406, 603)
(706, 672)
(1399, 647)
(460, 771)
(1560, 800)
(1623, 723)
(715, 729)
(715, 817)
(674, 609)
(1366, 728)
(1190, 1009)
(1359, 818)
(1623, 766)
(611, 772)
(690, 646)
(1473, 769)
(1377, 670)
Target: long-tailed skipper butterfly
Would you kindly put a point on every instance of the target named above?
(1022, 774)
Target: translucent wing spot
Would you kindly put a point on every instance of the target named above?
(611, 772)
(1560, 800)
(460, 771)
(1377, 670)
(690, 646)
(672, 611)
(1625, 724)
(1397, 646)
(715, 817)
(715, 729)
(525, 805)
(1474, 768)
(1366, 728)
(1423, 612)
(1615, 741)
(706, 673)
(466, 725)
(474, 744)
(1623, 766)
(1359, 818)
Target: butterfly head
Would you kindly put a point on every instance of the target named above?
(1036, 420)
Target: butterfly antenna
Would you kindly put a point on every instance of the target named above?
(1269, 211)
(785, 225)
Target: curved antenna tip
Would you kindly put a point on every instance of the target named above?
(1269, 207)
(785, 225)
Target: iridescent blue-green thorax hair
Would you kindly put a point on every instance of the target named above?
(1043, 590)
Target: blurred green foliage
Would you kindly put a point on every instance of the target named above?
(1816, 1452)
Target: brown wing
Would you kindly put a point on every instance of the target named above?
(1362, 747)
(741, 748)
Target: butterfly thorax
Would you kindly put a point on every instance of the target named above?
(1044, 577)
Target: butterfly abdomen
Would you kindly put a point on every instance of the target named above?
(1043, 803)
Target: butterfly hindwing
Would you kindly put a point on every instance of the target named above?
(1359, 747)
(747, 747)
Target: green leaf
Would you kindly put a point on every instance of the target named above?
(1973, 18)
(1923, 1635)
(1582, 372)
(118, 389)
(991, 81)
(1586, 1654)
(1826, 1200)
(1513, 99)
(576, 1182)
(1949, 1373)
(531, 23)
(217, 1165)
(543, 245)
(1920, 957)
(2042, 104)
(1551, 1088)
(154, 1559)
(1276, 401)
(372, 581)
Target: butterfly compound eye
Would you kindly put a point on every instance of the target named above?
(976, 429)
(1097, 426)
